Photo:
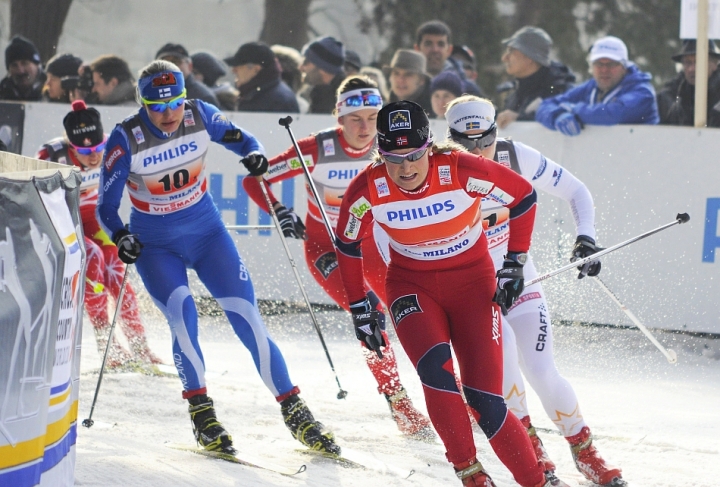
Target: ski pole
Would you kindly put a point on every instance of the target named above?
(249, 227)
(89, 422)
(342, 394)
(680, 218)
(285, 122)
(670, 355)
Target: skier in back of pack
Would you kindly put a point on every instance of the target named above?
(159, 155)
(527, 330)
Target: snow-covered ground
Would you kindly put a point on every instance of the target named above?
(659, 422)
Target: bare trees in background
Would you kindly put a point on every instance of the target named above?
(40, 21)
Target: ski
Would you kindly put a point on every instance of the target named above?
(355, 459)
(239, 457)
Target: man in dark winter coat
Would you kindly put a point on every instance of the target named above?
(527, 59)
(25, 76)
(257, 76)
(676, 101)
(179, 56)
(207, 69)
(323, 69)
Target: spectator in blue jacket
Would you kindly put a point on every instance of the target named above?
(618, 93)
(257, 76)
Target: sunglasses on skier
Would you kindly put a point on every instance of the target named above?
(161, 106)
(410, 156)
(86, 151)
(481, 141)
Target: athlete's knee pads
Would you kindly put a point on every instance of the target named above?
(435, 368)
(492, 409)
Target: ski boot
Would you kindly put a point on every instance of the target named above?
(589, 462)
(305, 428)
(410, 421)
(209, 432)
(551, 481)
(472, 474)
(540, 452)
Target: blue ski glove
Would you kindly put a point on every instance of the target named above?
(568, 124)
(366, 320)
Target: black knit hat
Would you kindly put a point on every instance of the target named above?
(83, 126)
(20, 49)
(62, 65)
(209, 66)
(327, 53)
(402, 125)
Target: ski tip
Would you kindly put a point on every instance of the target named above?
(682, 217)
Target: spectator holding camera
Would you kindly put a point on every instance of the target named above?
(25, 76)
(61, 67)
(112, 82)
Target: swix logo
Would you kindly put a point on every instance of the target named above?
(420, 212)
(165, 79)
(495, 325)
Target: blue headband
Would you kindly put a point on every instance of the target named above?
(161, 86)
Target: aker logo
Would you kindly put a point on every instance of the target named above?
(360, 207)
(496, 324)
(503, 157)
(444, 174)
(382, 187)
(478, 186)
(541, 169)
(400, 120)
(296, 164)
(352, 229)
(112, 156)
(326, 264)
(404, 306)
(165, 79)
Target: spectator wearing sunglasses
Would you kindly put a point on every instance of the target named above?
(257, 76)
(83, 146)
(440, 285)
(618, 93)
(159, 155)
(471, 123)
(112, 82)
(535, 76)
(334, 157)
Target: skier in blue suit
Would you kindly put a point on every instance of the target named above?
(159, 155)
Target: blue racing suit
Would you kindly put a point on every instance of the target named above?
(176, 220)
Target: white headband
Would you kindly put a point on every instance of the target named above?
(470, 115)
(361, 99)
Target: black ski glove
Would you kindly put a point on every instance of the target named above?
(585, 246)
(510, 281)
(291, 224)
(255, 163)
(128, 245)
(367, 325)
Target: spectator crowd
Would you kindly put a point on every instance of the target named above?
(432, 72)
